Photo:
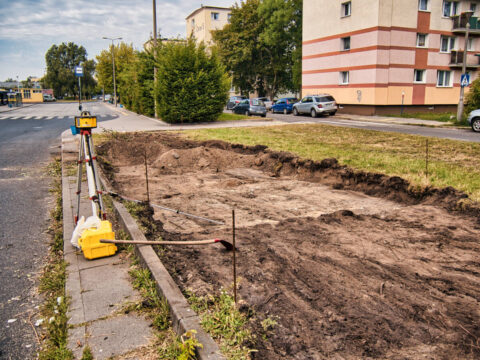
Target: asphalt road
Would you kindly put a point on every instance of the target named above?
(29, 137)
(372, 124)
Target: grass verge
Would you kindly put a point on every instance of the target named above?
(443, 117)
(450, 163)
(52, 281)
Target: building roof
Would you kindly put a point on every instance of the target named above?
(206, 7)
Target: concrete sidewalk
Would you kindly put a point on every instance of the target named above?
(98, 289)
(6, 108)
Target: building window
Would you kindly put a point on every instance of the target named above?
(423, 5)
(473, 8)
(450, 8)
(346, 43)
(470, 44)
(419, 76)
(447, 43)
(215, 16)
(229, 16)
(421, 40)
(26, 94)
(346, 9)
(443, 78)
(344, 77)
(193, 23)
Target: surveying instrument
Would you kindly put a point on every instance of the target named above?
(87, 233)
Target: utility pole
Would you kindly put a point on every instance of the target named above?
(155, 55)
(113, 65)
(464, 70)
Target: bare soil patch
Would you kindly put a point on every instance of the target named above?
(350, 264)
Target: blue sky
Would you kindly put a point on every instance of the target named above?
(29, 28)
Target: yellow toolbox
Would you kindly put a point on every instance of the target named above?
(88, 122)
(90, 241)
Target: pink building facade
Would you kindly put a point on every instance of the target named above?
(380, 56)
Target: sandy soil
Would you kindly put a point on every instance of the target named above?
(350, 264)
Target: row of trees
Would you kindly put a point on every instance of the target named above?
(192, 84)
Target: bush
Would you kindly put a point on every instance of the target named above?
(192, 85)
(472, 98)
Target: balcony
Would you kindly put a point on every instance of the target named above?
(460, 24)
(456, 60)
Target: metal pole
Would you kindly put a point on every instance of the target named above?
(234, 260)
(79, 94)
(154, 55)
(114, 84)
(464, 69)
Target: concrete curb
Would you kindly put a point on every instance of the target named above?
(183, 317)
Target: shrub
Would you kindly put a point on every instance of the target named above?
(192, 85)
(472, 98)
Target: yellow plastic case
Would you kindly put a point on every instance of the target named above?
(84, 122)
(90, 241)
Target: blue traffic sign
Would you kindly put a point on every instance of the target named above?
(78, 71)
(465, 80)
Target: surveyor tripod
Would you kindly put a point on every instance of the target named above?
(86, 155)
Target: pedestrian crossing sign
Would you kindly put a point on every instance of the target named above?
(465, 80)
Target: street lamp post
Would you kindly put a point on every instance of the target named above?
(113, 65)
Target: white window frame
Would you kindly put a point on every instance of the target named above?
(344, 77)
(425, 42)
(344, 42)
(451, 41)
(346, 9)
(422, 73)
(470, 44)
(215, 16)
(453, 8)
(441, 77)
(423, 2)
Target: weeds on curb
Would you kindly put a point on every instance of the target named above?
(52, 281)
(224, 322)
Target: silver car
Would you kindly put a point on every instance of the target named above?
(315, 105)
(474, 120)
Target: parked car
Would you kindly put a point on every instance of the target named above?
(474, 120)
(233, 101)
(107, 97)
(284, 105)
(316, 105)
(251, 107)
(268, 103)
(48, 97)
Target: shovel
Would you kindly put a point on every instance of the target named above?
(225, 243)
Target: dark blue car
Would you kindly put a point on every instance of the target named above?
(284, 105)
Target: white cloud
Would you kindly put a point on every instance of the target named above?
(28, 28)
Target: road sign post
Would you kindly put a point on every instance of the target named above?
(79, 74)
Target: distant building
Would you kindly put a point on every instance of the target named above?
(202, 21)
(375, 55)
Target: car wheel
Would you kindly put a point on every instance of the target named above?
(247, 113)
(333, 113)
(313, 113)
(285, 112)
(295, 112)
(476, 124)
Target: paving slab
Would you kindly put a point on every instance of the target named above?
(118, 335)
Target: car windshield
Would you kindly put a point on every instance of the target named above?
(324, 98)
(292, 101)
(257, 102)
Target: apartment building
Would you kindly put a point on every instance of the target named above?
(202, 21)
(380, 56)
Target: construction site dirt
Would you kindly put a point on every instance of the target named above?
(348, 264)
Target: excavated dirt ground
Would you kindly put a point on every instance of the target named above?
(351, 265)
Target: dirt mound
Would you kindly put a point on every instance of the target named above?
(348, 264)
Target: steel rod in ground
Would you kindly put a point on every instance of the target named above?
(234, 259)
(146, 174)
(426, 159)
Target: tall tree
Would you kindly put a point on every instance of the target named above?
(261, 47)
(61, 61)
(283, 30)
